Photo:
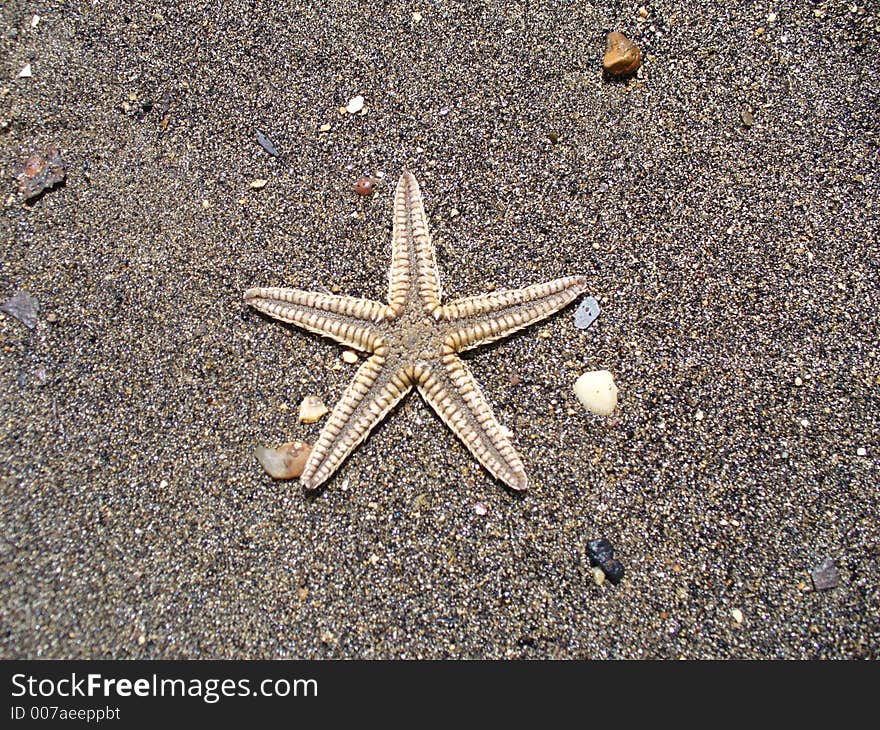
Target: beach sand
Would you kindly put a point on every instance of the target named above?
(736, 267)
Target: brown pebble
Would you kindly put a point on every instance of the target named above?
(44, 169)
(365, 186)
(622, 56)
(285, 462)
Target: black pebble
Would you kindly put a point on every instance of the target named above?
(613, 570)
(600, 551)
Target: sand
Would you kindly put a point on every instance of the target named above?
(736, 267)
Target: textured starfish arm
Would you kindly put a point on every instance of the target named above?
(477, 320)
(374, 391)
(451, 390)
(348, 320)
(413, 272)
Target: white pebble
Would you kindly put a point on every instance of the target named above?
(597, 392)
(311, 409)
(26, 72)
(861, 451)
(598, 575)
(355, 104)
(737, 615)
(350, 356)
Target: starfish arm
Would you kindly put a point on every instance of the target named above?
(347, 320)
(451, 390)
(374, 391)
(413, 272)
(477, 320)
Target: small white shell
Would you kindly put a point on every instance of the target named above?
(597, 392)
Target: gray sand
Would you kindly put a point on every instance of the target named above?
(732, 263)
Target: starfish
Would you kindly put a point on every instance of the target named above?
(414, 341)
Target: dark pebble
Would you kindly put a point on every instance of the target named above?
(613, 570)
(600, 551)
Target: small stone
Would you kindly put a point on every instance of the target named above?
(43, 170)
(586, 313)
(861, 451)
(355, 104)
(553, 136)
(324, 128)
(771, 17)
(257, 184)
(598, 575)
(481, 509)
(312, 409)
(421, 502)
(737, 615)
(52, 318)
(613, 570)
(350, 356)
(622, 56)
(266, 143)
(364, 185)
(302, 593)
(327, 637)
(599, 551)
(25, 72)
(798, 381)
(748, 119)
(825, 575)
(23, 307)
(417, 17)
(285, 462)
(643, 12)
(597, 392)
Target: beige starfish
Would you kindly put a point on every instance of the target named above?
(415, 341)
